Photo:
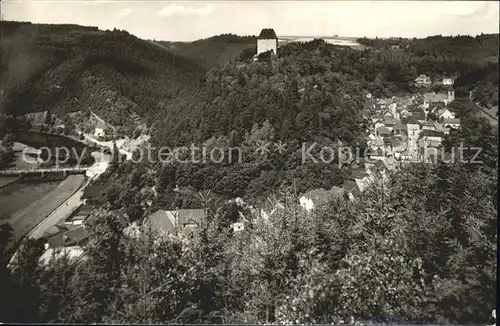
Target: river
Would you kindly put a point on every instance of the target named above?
(41, 150)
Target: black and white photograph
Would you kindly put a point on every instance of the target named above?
(249, 162)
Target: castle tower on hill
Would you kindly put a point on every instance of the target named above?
(266, 41)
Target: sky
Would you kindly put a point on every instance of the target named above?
(192, 20)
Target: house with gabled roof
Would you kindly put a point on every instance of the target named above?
(170, 222)
(387, 113)
(72, 236)
(445, 113)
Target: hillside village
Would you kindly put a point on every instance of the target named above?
(399, 130)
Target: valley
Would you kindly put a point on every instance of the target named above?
(369, 226)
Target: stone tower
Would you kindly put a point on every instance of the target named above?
(266, 41)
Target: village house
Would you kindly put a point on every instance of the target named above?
(318, 197)
(389, 122)
(404, 113)
(448, 81)
(170, 222)
(432, 98)
(371, 137)
(159, 223)
(91, 194)
(423, 81)
(73, 254)
(267, 41)
(237, 226)
(387, 113)
(427, 125)
(67, 236)
(445, 113)
(100, 129)
(431, 138)
(451, 123)
(38, 119)
(379, 123)
(79, 215)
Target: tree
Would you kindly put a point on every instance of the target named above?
(8, 142)
(26, 295)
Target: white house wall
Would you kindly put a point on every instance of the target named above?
(266, 45)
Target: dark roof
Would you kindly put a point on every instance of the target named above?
(51, 231)
(399, 126)
(163, 222)
(383, 131)
(159, 222)
(67, 238)
(412, 121)
(418, 116)
(93, 191)
(427, 124)
(352, 187)
(84, 210)
(267, 33)
(452, 121)
(431, 133)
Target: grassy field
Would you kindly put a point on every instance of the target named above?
(24, 220)
(15, 197)
(4, 181)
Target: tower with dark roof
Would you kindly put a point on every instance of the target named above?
(266, 41)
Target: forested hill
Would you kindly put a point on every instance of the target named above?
(214, 51)
(66, 68)
(473, 59)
